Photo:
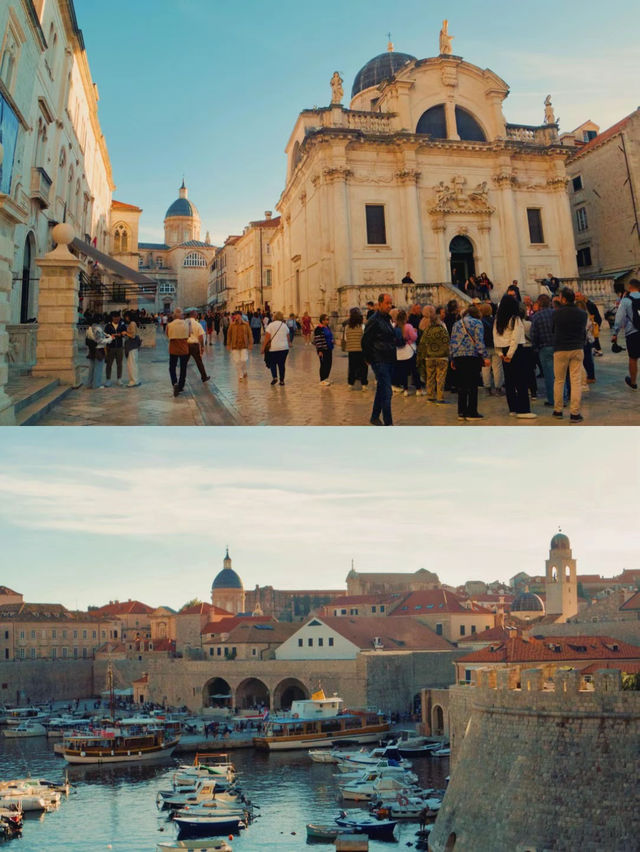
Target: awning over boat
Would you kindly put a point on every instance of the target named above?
(114, 266)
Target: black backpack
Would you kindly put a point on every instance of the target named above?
(635, 312)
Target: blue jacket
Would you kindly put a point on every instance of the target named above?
(467, 339)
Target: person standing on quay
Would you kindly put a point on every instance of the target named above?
(132, 344)
(569, 335)
(323, 341)
(509, 340)
(379, 348)
(239, 341)
(178, 334)
(256, 326)
(352, 337)
(468, 354)
(196, 343)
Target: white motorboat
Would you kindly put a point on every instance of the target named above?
(25, 729)
(367, 758)
(17, 715)
(445, 751)
(204, 791)
(411, 744)
(368, 788)
(27, 801)
(407, 806)
(387, 772)
(322, 755)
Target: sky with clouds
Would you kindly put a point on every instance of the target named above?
(88, 516)
(212, 89)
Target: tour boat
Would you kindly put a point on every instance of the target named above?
(25, 729)
(202, 845)
(320, 721)
(129, 742)
(17, 715)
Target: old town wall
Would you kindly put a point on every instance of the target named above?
(41, 680)
(542, 768)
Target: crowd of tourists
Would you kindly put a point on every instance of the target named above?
(504, 348)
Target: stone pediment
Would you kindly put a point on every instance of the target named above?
(454, 198)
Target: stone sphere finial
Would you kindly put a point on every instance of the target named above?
(63, 234)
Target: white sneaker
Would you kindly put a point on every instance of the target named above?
(326, 383)
(529, 416)
(405, 393)
(421, 392)
(365, 387)
(397, 390)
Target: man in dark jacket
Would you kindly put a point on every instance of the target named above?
(379, 348)
(569, 336)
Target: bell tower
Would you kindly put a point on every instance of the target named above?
(561, 584)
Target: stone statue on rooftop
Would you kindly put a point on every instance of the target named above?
(445, 40)
(337, 92)
(549, 114)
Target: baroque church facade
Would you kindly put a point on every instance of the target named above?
(422, 173)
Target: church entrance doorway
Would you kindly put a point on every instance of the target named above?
(25, 294)
(462, 261)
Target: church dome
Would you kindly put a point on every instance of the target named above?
(380, 68)
(182, 206)
(227, 578)
(527, 602)
(560, 542)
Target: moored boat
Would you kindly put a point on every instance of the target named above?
(378, 829)
(317, 831)
(322, 755)
(213, 845)
(25, 729)
(201, 825)
(320, 721)
(129, 742)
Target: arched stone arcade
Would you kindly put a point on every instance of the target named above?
(288, 690)
(252, 693)
(217, 693)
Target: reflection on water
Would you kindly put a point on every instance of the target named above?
(113, 807)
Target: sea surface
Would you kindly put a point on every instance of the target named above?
(114, 808)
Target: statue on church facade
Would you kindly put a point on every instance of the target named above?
(549, 114)
(337, 92)
(445, 40)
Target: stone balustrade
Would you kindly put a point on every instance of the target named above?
(403, 295)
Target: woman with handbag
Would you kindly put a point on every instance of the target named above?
(509, 340)
(178, 334)
(96, 341)
(131, 346)
(468, 355)
(351, 343)
(275, 347)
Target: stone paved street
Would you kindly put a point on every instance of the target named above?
(303, 402)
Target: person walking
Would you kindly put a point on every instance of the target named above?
(569, 335)
(256, 326)
(468, 354)
(379, 349)
(239, 342)
(323, 341)
(209, 324)
(352, 345)
(178, 334)
(275, 347)
(292, 325)
(306, 327)
(542, 341)
(433, 356)
(117, 329)
(196, 343)
(628, 320)
(131, 347)
(509, 339)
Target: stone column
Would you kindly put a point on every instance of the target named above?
(450, 115)
(58, 310)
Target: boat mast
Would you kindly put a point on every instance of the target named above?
(112, 694)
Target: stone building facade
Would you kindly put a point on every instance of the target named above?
(604, 192)
(421, 173)
(370, 583)
(537, 768)
(55, 165)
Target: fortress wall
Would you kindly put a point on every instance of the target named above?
(41, 680)
(541, 769)
(393, 680)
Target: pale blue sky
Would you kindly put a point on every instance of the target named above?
(212, 89)
(91, 515)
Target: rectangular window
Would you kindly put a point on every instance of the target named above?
(581, 217)
(463, 629)
(467, 675)
(64, 634)
(219, 652)
(253, 652)
(54, 634)
(320, 642)
(300, 643)
(33, 634)
(577, 183)
(22, 653)
(22, 634)
(84, 632)
(353, 612)
(331, 641)
(75, 653)
(6, 634)
(33, 653)
(267, 278)
(439, 629)
(84, 653)
(54, 653)
(373, 609)
(65, 652)
(95, 635)
(6, 653)
(473, 628)
(584, 257)
(310, 642)
(376, 229)
(382, 608)
(75, 634)
(343, 612)
(534, 217)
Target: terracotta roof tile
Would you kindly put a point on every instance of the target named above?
(604, 136)
(625, 667)
(396, 634)
(124, 608)
(435, 601)
(554, 648)
(632, 604)
(120, 205)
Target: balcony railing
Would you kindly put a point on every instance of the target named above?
(40, 186)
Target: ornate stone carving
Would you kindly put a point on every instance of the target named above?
(445, 40)
(303, 198)
(454, 199)
(505, 178)
(378, 277)
(558, 183)
(337, 92)
(449, 75)
(338, 173)
(408, 176)
(549, 114)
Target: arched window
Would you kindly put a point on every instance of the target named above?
(120, 238)
(433, 122)
(194, 259)
(9, 61)
(468, 127)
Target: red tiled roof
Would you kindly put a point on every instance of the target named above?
(254, 633)
(493, 635)
(226, 625)
(396, 634)
(605, 135)
(632, 604)
(554, 648)
(124, 608)
(120, 205)
(435, 601)
(267, 223)
(5, 590)
(204, 609)
(143, 679)
(625, 667)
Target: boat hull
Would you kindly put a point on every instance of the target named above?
(204, 827)
(195, 845)
(286, 743)
(140, 756)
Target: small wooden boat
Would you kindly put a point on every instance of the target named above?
(206, 826)
(203, 845)
(316, 831)
(376, 829)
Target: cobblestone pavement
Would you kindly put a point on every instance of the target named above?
(303, 402)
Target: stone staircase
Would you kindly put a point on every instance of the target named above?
(34, 397)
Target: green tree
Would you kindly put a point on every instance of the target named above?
(192, 602)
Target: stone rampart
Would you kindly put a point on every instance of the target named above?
(41, 680)
(548, 766)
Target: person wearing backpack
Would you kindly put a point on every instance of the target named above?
(433, 357)
(628, 320)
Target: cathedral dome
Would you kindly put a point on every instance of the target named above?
(527, 602)
(560, 542)
(227, 578)
(380, 68)
(182, 206)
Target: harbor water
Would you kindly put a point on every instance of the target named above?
(114, 807)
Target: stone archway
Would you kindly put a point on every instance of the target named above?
(26, 294)
(288, 690)
(451, 842)
(217, 693)
(252, 694)
(462, 260)
(437, 721)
